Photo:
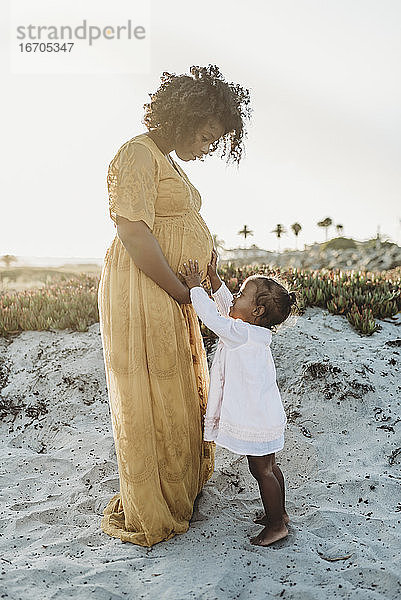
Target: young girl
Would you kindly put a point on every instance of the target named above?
(244, 412)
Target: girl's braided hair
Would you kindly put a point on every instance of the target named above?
(275, 297)
(183, 103)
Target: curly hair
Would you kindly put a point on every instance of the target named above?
(183, 103)
(276, 299)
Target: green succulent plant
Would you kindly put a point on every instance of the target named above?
(362, 297)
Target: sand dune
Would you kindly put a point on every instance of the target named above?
(341, 392)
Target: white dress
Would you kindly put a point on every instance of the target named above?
(244, 413)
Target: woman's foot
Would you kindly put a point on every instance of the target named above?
(268, 535)
(264, 520)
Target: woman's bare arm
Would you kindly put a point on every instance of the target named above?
(144, 249)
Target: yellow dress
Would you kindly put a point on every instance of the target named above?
(155, 361)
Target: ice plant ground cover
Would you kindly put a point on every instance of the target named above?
(362, 297)
(70, 304)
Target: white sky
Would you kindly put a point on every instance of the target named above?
(324, 139)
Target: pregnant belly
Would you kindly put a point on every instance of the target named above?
(197, 244)
(178, 241)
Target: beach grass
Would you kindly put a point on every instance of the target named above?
(68, 300)
(65, 304)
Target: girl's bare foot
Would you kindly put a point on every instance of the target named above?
(268, 535)
(264, 520)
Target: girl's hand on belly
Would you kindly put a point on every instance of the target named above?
(214, 277)
(192, 276)
(212, 265)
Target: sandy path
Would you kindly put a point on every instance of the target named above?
(58, 471)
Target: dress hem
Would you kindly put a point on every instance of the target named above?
(248, 453)
(236, 447)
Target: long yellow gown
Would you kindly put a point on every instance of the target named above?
(155, 361)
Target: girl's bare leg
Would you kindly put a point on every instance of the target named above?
(280, 478)
(261, 467)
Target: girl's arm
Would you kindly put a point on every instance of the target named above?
(220, 291)
(223, 298)
(229, 330)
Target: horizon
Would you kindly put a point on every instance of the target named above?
(55, 261)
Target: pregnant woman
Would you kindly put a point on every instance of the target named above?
(155, 361)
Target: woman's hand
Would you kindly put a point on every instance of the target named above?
(192, 277)
(145, 251)
(186, 297)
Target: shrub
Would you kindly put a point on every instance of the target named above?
(360, 296)
(339, 243)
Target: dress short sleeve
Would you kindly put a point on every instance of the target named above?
(132, 182)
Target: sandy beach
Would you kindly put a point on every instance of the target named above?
(341, 392)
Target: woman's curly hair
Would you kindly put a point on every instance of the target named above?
(183, 103)
(275, 297)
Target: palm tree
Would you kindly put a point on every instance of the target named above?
(7, 259)
(280, 229)
(245, 231)
(339, 229)
(218, 243)
(296, 227)
(378, 238)
(326, 224)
